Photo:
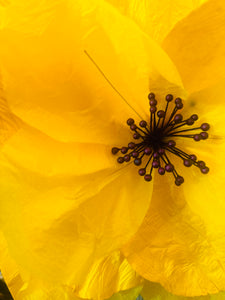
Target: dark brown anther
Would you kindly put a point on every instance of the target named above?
(197, 137)
(169, 168)
(187, 162)
(131, 145)
(151, 96)
(155, 163)
(153, 109)
(142, 172)
(179, 180)
(161, 151)
(127, 158)
(204, 135)
(205, 126)
(148, 151)
(190, 122)
(133, 127)
(193, 157)
(161, 171)
(194, 117)
(124, 150)
(120, 160)
(179, 105)
(169, 98)
(137, 161)
(201, 164)
(136, 136)
(161, 114)
(143, 123)
(178, 100)
(130, 121)
(153, 102)
(115, 150)
(204, 170)
(171, 143)
(148, 177)
(135, 154)
(158, 142)
(156, 155)
(178, 118)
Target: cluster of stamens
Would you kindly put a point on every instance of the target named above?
(157, 139)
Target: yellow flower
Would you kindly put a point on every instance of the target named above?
(67, 207)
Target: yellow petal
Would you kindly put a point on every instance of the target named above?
(107, 276)
(181, 241)
(29, 16)
(196, 46)
(176, 246)
(154, 291)
(156, 18)
(52, 85)
(61, 214)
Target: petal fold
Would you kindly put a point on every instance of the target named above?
(156, 18)
(196, 46)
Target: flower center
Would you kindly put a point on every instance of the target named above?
(157, 138)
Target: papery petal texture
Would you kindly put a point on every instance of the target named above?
(155, 17)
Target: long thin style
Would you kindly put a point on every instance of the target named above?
(110, 83)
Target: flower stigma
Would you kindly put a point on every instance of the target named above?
(156, 139)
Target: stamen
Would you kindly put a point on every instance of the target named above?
(155, 141)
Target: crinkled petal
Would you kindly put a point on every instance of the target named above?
(51, 83)
(154, 291)
(157, 18)
(29, 16)
(196, 46)
(181, 242)
(61, 214)
(107, 276)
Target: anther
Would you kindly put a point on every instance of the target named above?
(169, 98)
(130, 121)
(157, 142)
(151, 96)
(153, 102)
(205, 126)
(127, 158)
(169, 168)
(133, 127)
(161, 171)
(153, 109)
(187, 162)
(148, 151)
(135, 154)
(178, 118)
(190, 122)
(148, 177)
(171, 143)
(136, 136)
(194, 117)
(179, 180)
(155, 164)
(204, 135)
(204, 170)
(115, 150)
(137, 161)
(197, 137)
(131, 145)
(142, 172)
(161, 113)
(143, 123)
(120, 160)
